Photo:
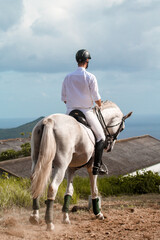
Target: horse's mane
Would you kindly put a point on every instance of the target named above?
(108, 104)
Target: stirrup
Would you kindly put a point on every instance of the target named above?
(102, 170)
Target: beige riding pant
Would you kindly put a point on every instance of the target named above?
(93, 122)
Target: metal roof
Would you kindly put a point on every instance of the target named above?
(20, 167)
(128, 155)
(133, 154)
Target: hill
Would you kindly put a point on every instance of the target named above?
(17, 132)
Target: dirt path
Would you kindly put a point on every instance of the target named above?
(134, 217)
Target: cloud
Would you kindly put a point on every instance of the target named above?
(10, 14)
(121, 35)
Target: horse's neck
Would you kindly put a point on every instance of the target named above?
(112, 115)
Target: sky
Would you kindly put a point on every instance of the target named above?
(39, 40)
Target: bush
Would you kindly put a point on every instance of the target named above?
(26, 149)
(9, 154)
(12, 154)
(141, 183)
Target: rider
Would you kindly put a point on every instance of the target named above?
(80, 91)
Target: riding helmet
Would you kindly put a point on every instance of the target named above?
(82, 55)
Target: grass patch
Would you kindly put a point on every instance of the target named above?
(16, 191)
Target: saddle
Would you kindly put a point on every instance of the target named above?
(79, 116)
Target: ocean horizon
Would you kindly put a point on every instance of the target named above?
(136, 125)
(139, 125)
(6, 123)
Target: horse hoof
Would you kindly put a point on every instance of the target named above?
(100, 216)
(50, 227)
(66, 218)
(34, 220)
(66, 221)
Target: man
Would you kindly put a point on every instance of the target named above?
(80, 91)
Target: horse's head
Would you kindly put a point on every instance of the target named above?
(113, 122)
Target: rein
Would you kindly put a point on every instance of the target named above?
(110, 137)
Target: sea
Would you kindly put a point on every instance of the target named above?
(139, 125)
(6, 123)
(136, 125)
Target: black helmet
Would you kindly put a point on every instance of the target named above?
(82, 55)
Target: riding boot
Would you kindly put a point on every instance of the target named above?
(97, 168)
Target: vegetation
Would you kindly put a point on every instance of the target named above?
(141, 183)
(12, 154)
(16, 191)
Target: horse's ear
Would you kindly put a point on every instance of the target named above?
(127, 116)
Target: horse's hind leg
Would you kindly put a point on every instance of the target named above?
(68, 195)
(58, 176)
(35, 144)
(94, 191)
(34, 217)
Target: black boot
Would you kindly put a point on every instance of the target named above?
(97, 168)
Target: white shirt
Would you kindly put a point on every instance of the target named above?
(80, 89)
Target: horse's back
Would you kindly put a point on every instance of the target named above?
(71, 139)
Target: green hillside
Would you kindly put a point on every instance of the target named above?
(26, 129)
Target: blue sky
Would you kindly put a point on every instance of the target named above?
(39, 39)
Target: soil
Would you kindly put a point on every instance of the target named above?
(126, 217)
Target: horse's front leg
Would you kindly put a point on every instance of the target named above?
(68, 195)
(94, 191)
(34, 217)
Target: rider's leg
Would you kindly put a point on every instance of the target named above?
(94, 124)
(97, 168)
(100, 138)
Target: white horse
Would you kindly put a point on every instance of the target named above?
(61, 142)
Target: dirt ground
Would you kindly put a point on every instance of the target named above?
(126, 217)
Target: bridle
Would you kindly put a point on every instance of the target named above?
(110, 138)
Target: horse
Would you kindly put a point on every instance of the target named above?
(60, 142)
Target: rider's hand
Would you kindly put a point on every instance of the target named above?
(98, 107)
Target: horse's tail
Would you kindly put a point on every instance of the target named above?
(43, 168)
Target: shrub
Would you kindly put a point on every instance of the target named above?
(141, 183)
(9, 154)
(12, 154)
(26, 149)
